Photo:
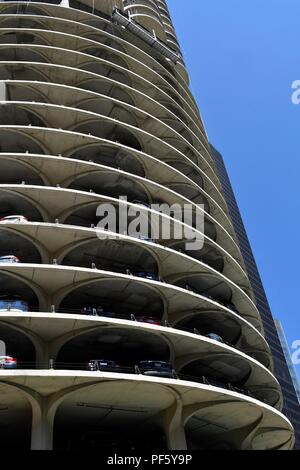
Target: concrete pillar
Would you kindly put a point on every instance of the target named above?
(3, 94)
(176, 438)
(2, 348)
(41, 352)
(174, 426)
(42, 426)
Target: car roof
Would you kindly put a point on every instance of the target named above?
(153, 360)
(103, 360)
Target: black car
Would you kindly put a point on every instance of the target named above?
(103, 365)
(97, 312)
(91, 310)
(156, 369)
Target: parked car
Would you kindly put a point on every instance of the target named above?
(145, 275)
(217, 383)
(91, 310)
(8, 362)
(156, 368)
(13, 304)
(147, 319)
(147, 239)
(97, 312)
(9, 259)
(13, 219)
(103, 365)
(215, 337)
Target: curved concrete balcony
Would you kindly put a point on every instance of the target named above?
(94, 57)
(103, 33)
(237, 333)
(72, 340)
(104, 8)
(78, 207)
(236, 421)
(168, 301)
(38, 139)
(36, 243)
(171, 188)
(109, 106)
(181, 194)
(216, 259)
(146, 8)
(172, 42)
(100, 21)
(149, 22)
(118, 85)
(146, 109)
(143, 63)
(150, 4)
(171, 137)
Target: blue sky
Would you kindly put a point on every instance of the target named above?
(243, 57)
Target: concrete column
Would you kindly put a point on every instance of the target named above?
(42, 426)
(176, 438)
(41, 351)
(2, 348)
(174, 427)
(3, 93)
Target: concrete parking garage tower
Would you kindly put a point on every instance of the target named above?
(95, 104)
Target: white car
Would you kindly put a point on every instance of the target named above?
(8, 362)
(9, 259)
(13, 219)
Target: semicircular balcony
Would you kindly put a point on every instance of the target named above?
(101, 62)
(128, 343)
(39, 203)
(138, 407)
(135, 59)
(112, 82)
(187, 300)
(86, 118)
(180, 166)
(109, 129)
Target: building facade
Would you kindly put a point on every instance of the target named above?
(288, 357)
(115, 340)
(281, 364)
